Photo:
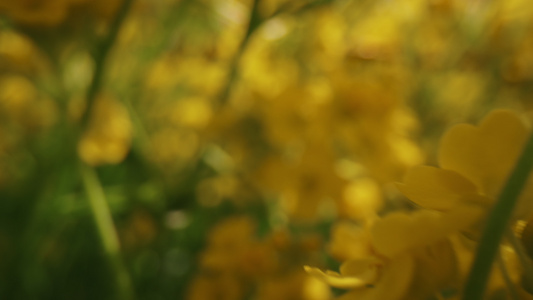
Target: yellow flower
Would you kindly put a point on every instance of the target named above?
(349, 241)
(294, 285)
(233, 248)
(19, 54)
(108, 137)
(218, 287)
(22, 105)
(35, 12)
(305, 184)
(54, 12)
(410, 257)
(475, 162)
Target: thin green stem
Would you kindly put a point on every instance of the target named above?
(497, 222)
(106, 230)
(100, 56)
(93, 188)
(254, 21)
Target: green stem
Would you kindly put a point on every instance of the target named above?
(101, 55)
(93, 188)
(254, 21)
(106, 230)
(497, 222)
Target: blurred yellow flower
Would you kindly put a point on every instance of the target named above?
(293, 286)
(362, 198)
(236, 262)
(54, 12)
(397, 252)
(23, 107)
(108, 137)
(349, 241)
(305, 184)
(215, 287)
(36, 12)
(475, 162)
(191, 112)
(19, 53)
(232, 247)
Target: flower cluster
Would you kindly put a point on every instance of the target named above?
(143, 127)
(237, 263)
(428, 251)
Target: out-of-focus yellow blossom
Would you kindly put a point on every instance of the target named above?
(22, 107)
(362, 198)
(475, 162)
(108, 137)
(517, 68)
(36, 12)
(379, 30)
(17, 94)
(305, 182)
(349, 241)
(172, 147)
(266, 73)
(402, 249)
(19, 54)
(176, 124)
(236, 134)
(75, 108)
(457, 94)
(192, 112)
(293, 286)
(25, 114)
(269, 7)
(232, 247)
(51, 13)
(102, 8)
(305, 244)
(337, 115)
(215, 287)
(237, 263)
(511, 12)
(371, 121)
(291, 118)
(212, 191)
(196, 73)
(351, 108)
(329, 46)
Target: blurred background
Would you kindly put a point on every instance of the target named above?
(208, 149)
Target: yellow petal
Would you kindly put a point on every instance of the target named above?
(393, 284)
(354, 273)
(358, 267)
(349, 241)
(435, 188)
(399, 231)
(437, 269)
(485, 154)
(335, 279)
